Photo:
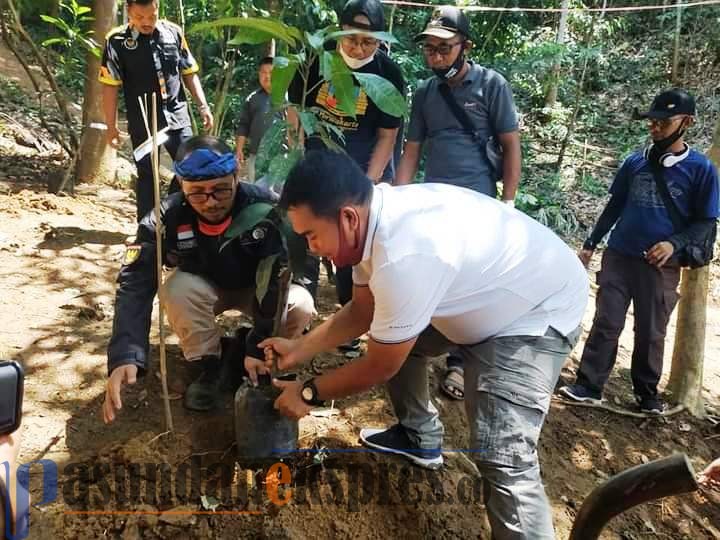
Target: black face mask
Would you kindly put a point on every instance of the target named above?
(449, 72)
(659, 148)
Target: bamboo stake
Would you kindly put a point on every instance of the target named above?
(159, 230)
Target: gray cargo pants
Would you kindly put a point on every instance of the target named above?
(508, 384)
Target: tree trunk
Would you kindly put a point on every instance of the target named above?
(269, 48)
(551, 95)
(274, 7)
(96, 162)
(587, 41)
(676, 49)
(686, 373)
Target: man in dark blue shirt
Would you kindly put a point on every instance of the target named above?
(641, 262)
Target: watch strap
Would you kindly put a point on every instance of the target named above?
(314, 401)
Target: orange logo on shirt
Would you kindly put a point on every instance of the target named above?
(326, 98)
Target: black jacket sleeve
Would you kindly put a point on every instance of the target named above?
(137, 285)
(607, 219)
(694, 233)
(619, 190)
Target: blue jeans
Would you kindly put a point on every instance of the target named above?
(508, 384)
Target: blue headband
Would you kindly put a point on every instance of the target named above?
(204, 164)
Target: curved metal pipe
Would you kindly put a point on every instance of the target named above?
(660, 478)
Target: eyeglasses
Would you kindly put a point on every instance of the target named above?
(664, 123)
(443, 49)
(363, 43)
(201, 197)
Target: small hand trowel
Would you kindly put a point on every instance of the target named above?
(261, 432)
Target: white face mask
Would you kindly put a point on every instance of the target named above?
(354, 63)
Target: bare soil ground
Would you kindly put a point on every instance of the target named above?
(60, 256)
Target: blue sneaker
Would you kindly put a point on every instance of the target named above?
(395, 440)
(351, 349)
(578, 392)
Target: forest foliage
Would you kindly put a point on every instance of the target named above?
(608, 63)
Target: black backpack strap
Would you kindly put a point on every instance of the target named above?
(678, 221)
(457, 110)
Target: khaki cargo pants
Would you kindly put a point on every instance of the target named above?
(192, 302)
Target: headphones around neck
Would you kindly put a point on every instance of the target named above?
(669, 159)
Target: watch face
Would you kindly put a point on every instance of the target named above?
(307, 393)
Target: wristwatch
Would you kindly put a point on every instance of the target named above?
(309, 394)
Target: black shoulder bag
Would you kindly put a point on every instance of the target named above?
(490, 147)
(696, 253)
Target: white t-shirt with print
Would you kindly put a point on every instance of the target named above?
(468, 264)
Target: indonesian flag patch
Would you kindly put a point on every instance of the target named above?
(185, 232)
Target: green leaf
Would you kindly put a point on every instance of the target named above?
(339, 133)
(329, 141)
(246, 220)
(280, 166)
(343, 85)
(263, 275)
(315, 40)
(383, 93)
(294, 32)
(49, 19)
(91, 46)
(271, 145)
(382, 36)
(275, 28)
(250, 36)
(326, 65)
(282, 75)
(82, 10)
(54, 41)
(309, 122)
(298, 57)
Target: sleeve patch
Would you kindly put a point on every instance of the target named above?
(132, 254)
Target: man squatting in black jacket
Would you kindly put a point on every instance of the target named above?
(206, 279)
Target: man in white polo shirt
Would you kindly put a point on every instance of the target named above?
(437, 267)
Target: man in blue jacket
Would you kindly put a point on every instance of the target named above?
(211, 274)
(641, 261)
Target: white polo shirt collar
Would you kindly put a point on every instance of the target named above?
(376, 204)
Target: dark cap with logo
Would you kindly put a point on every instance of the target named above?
(446, 22)
(670, 103)
(372, 9)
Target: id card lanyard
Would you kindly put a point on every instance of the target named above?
(131, 43)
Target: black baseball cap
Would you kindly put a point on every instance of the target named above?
(372, 9)
(670, 103)
(446, 22)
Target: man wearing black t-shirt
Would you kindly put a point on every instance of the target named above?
(144, 56)
(369, 137)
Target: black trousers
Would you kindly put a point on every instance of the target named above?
(144, 189)
(653, 293)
